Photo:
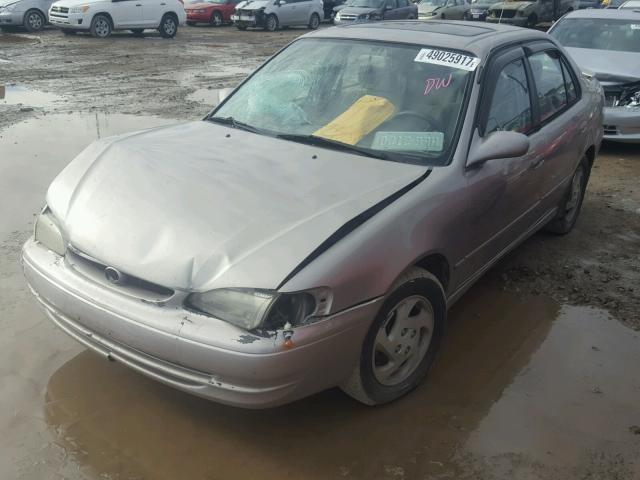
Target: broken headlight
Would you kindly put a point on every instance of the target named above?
(253, 308)
(630, 96)
(48, 233)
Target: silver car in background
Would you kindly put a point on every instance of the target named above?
(273, 14)
(30, 14)
(313, 229)
(606, 43)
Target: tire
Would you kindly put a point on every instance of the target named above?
(532, 21)
(443, 17)
(138, 32)
(410, 17)
(314, 21)
(168, 26)
(466, 16)
(241, 27)
(271, 23)
(34, 20)
(571, 204)
(101, 26)
(216, 19)
(66, 31)
(395, 356)
(191, 24)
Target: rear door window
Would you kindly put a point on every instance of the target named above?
(549, 80)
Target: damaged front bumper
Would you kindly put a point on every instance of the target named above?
(622, 124)
(255, 19)
(191, 352)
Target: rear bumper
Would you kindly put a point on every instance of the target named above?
(191, 352)
(622, 124)
(11, 18)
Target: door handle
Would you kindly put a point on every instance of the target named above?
(138, 4)
(163, 3)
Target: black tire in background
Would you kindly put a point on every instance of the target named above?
(365, 384)
(34, 20)
(138, 32)
(168, 26)
(271, 23)
(216, 19)
(314, 21)
(101, 26)
(67, 31)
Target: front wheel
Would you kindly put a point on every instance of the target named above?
(34, 21)
(101, 26)
(216, 19)
(314, 21)
(571, 204)
(271, 23)
(168, 26)
(402, 342)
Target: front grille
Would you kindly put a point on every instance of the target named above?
(246, 13)
(60, 9)
(503, 13)
(348, 17)
(610, 130)
(129, 285)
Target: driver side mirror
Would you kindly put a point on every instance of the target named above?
(497, 145)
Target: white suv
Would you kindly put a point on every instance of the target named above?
(101, 17)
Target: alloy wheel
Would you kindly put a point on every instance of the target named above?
(35, 21)
(217, 19)
(169, 26)
(403, 340)
(102, 27)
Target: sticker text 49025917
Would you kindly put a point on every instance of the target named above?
(448, 59)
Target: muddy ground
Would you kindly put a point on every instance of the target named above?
(539, 377)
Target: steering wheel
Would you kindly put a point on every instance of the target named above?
(430, 120)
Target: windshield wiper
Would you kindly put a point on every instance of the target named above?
(325, 142)
(232, 122)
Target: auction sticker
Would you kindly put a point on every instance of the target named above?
(448, 59)
(409, 141)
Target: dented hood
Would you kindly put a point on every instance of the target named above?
(609, 67)
(252, 5)
(201, 206)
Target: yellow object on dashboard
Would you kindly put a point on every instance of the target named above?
(360, 119)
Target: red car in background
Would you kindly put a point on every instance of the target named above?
(213, 12)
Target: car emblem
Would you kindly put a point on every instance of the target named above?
(113, 275)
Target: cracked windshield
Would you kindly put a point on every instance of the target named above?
(377, 97)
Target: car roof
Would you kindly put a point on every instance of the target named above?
(476, 38)
(622, 14)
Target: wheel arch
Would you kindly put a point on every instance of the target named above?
(106, 14)
(438, 265)
(36, 9)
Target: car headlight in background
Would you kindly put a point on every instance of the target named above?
(253, 308)
(630, 97)
(48, 233)
(79, 9)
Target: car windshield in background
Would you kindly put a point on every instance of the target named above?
(392, 101)
(599, 34)
(634, 4)
(367, 3)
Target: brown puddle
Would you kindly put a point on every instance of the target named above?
(523, 389)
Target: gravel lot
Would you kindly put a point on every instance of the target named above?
(539, 378)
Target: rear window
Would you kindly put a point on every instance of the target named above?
(599, 34)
